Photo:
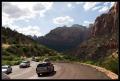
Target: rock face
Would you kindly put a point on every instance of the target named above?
(104, 37)
(107, 22)
(63, 38)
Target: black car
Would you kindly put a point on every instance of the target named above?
(44, 67)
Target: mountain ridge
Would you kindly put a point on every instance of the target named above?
(63, 38)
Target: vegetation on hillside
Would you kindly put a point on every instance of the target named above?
(16, 45)
(9, 36)
(101, 52)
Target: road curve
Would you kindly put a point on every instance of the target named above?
(62, 71)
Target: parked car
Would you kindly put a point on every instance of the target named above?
(44, 67)
(5, 76)
(6, 69)
(24, 64)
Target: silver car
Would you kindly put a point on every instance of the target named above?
(44, 67)
(6, 69)
(24, 64)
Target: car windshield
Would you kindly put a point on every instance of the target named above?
(4, 67)
(43, 65)
(46, 60)
(22, 63)
(25, 62)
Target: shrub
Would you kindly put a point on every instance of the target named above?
(111, 64)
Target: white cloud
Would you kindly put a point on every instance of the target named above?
(89, 5)
(96, 8)
(86, 23)
(69, 5)
(30, 30)
(79, 2)
(106, 3)
(112, 3)
(24, 10)
(14, 11)
(63, 20)
(27, 30)
(104, 9)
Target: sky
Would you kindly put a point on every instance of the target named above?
(39, 18)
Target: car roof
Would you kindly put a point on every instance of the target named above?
(44, 63)
(25, 61)
(47, 59)
(5, 65)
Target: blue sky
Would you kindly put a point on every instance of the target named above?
(38, 18)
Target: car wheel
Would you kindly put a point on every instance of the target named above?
(38, 74)
(53, 69)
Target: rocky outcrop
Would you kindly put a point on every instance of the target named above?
(104, 36)
(63, 38)
(106, 23)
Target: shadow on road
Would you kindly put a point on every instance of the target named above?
(48, 74)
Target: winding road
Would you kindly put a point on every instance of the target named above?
(62, 71)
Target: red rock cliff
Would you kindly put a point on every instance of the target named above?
(106, 23)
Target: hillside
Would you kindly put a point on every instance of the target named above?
(16, 45)
(104, 35)
(64, 38)
(103, 42)
(13, 37)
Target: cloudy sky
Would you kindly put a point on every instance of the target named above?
(38, 18)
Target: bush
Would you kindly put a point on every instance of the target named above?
(111, 64)
(6, 62)
(10, 58)
(89, 62)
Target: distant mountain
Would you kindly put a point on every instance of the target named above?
(33, 37)
(64, 38)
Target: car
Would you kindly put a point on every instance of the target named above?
(6, 69)
(5, 76)
(33, 58)
(44, 67)
(46, 60)
(24, 64)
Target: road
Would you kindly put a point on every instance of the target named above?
(62, 71)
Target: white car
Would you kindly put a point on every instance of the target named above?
(6, 69)
(24, 64)
(44, 67)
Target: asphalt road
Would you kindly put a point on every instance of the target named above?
(62, 71)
